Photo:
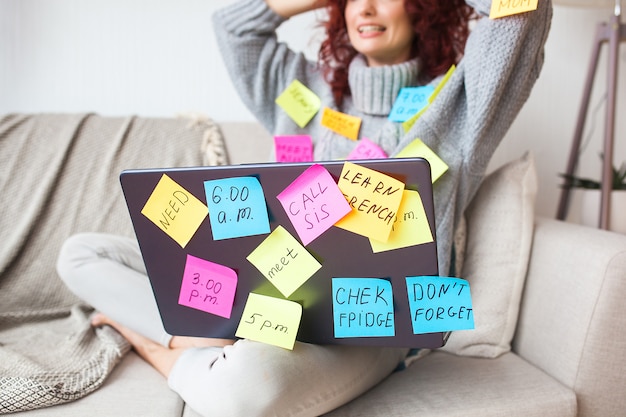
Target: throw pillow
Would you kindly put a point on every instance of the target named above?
(499, 227)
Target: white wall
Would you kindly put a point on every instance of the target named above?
(160, 58)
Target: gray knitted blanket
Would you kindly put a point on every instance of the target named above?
(58, 176)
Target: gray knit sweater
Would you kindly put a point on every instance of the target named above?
(464, 125)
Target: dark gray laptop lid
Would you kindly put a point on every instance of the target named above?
(341, 254)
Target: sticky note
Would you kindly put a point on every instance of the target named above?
(208, 286)
(407, 125)
(284, 261)
(409, 102)
(341, 123)
(236, 207)
(270, 320)
(366, 149)
(362, 307)
(174, 210)
(416, 149)
(501, 8)
(295, 148)
(300, 103)
(410, 227)
(439, 304)
(442, 83)
(313, 202)
(374, 199)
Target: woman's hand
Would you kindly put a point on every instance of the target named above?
(290, 8)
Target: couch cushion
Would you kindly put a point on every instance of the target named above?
(499, 225)
(444, 385)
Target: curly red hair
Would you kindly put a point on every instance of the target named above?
(441, 29)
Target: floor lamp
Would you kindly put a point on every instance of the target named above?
(612, 32)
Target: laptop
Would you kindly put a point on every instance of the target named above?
(247, 250)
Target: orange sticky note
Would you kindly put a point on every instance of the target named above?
(410, 228)
(501, 8)
(270, 320)
(284, 261)
(300, 103)
(418, 149)
(374, 198)
(175, 210)
(341, 123)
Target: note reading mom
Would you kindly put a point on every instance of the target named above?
(374, 198)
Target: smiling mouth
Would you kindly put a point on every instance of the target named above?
(371, 28)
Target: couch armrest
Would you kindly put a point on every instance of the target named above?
(572, 322)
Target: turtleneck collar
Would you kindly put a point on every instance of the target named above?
(374, 89)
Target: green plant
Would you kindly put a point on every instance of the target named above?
(619, 180)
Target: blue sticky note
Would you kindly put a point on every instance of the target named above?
(237, 207)
(409, 102)
(363, 307)
(439, 304)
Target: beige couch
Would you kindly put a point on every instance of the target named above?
(548, 295)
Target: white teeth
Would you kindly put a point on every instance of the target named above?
(371, 28)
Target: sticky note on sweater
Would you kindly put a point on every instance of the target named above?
(300, 103)
(418, 149)
(501, 8)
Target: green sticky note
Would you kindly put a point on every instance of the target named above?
(300, 103)
(418, 149)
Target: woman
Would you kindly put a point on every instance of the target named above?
(373, 49)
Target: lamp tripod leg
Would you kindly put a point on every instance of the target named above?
(600, 37)
(609, 134)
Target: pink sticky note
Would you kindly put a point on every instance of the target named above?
(313, 202)
(208, 286)
(366, 149)
(296, 148)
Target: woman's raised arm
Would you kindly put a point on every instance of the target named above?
(290, 8)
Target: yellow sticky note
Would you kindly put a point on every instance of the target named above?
(374, 198)
(501, 8)
(418, 149)
(175, 210)
(300, 103)
(410, 227)
(284, 261)
(341, 123)
(270, 320)
(442, 83)
(407, 125)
